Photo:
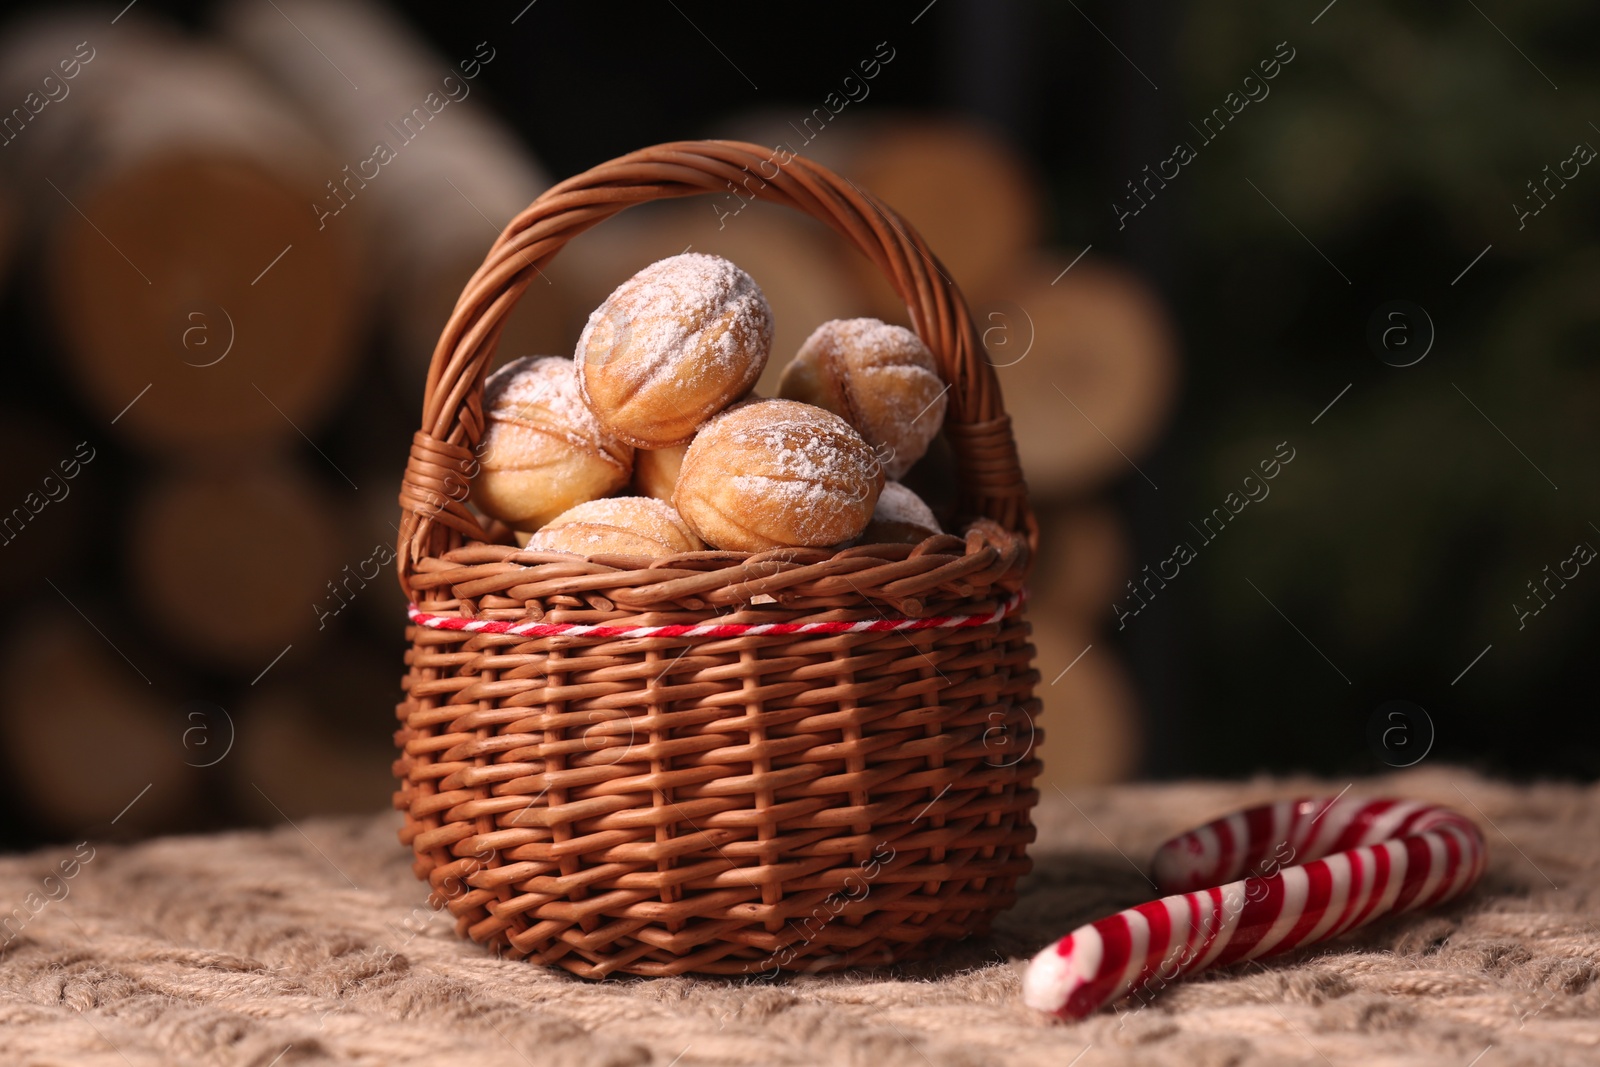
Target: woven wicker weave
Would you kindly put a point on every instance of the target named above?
(721, 804)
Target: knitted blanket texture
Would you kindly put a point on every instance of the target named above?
(313, 944)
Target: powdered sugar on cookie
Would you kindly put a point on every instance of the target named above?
(879, 377)
(542, 449)
(628, 525)
(548, 382)
(777, 472)
(898, 504)
(672, 346)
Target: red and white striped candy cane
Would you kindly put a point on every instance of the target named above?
(1318, 868)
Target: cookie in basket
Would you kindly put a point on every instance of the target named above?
(672, 346)
(622, 525)
(655, 470)
(900, 517)
(543, 450)
(778, 473)
(880, 378)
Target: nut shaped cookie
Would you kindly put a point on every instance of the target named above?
(880, 378)
(777, 473)
(543, 450)
(900, 517)
(672, 346)
(622, 525)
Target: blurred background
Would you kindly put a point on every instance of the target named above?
(1294, 306)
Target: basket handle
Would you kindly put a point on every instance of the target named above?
(433, 492)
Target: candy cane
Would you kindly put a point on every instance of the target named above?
(1318, 869)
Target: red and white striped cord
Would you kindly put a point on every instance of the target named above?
(887, 624)
(1318, 869)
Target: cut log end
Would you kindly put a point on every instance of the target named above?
(206, 280)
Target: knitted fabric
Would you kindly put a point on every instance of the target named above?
(312, 944)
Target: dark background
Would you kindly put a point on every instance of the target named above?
(1388, 555)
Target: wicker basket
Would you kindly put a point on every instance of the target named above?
(622, 765)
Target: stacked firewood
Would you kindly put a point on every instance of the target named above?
(243, 265)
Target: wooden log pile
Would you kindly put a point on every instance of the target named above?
(243, 308)
(244, 262)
